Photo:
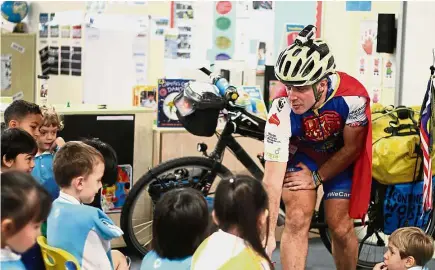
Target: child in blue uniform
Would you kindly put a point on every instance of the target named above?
(24, 115)
(78, 169)
(48, 143)
(24, 205)
(18, 149)
(180, 225)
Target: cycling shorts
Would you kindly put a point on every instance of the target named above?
(338, 187)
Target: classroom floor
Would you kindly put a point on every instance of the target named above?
(318, 258)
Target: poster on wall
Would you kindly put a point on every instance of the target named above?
(158, 27)
(294, 13)
(43, 27)
(167, 90)
(274, 87)
(76, 61)
(53, 59)
(291, 31)
(145, 96)
(65, 60)
(113, 197)
(251, 98)
(43, 57)
(6, 72)
(54, 29)
(358, 5)
(224, 31)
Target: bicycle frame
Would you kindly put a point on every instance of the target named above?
(227, 140)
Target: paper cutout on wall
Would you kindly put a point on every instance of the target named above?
(368, 34)
(6, 72)
(389, 73)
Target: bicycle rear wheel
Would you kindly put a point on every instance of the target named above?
(137, 212)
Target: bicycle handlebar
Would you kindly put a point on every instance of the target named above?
(226, 90)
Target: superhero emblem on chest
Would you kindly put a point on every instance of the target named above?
(321, 127)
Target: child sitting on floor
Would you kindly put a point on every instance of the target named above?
(408, 248)
(25, 115)
(241, 212)
(48, 142)
(180, 224)
(24, 205)
(18, 150)
(78, 169)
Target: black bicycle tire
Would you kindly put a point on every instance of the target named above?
(146, 178)
(327, 241)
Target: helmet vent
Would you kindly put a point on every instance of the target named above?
(297, 68)
(297, 51)
(317, 75)
(287, 68)
(308, 69)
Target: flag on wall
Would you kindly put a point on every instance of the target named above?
(426, 144)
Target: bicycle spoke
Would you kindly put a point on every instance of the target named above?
(143, 224)
(147, 242)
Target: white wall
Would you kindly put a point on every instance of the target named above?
(63, 89)
(419, 40)
(341, 29)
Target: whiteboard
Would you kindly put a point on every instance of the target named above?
(419, 40)
(110, 60)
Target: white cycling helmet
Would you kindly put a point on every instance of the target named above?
(305, 64)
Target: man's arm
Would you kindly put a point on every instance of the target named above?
(354, 136)
(354, 144)
(276, 151)
(273, 179)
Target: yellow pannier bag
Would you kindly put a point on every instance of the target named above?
(395, 144)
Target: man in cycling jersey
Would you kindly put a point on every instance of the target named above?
(317, 133)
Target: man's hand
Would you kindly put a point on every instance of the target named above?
(380, 266)
(59, 142)
(301, 180)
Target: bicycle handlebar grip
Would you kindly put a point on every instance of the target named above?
(206, 71)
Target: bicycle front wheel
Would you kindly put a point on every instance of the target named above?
(137, 212)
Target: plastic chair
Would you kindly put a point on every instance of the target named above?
(56, 258)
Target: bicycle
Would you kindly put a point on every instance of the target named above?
(175, 173)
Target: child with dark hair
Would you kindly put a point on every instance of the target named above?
(18, 150)
(24, 206)
(24, 115)
(241, 212)
(180, 224)
(110, 166)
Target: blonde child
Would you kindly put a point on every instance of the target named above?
(48, 142)
(408, 248)
(24, 205)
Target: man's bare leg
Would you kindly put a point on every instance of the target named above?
(299, 207)
(344, 240)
